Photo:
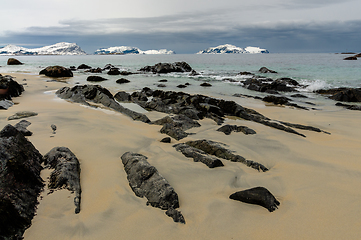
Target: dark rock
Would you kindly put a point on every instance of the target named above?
(9, 88)
(163, 80)
(228, 129)
(66, 172)
(348, 95)
(56, 71)
(216, 149)
(289, 81)
(21, 127)
(84, 66)
(331, 91)
(266, 70)
(53, 127)
(276, 100)
(298, 96)
(168, 67)
(198, 155)
(5, 104)
(206, 85)
(108, 66)
(72, 68)
(113, 71)
(126, 73)
(259, 196)
(20, 183)
(181, 86)
(269, 85)
(193, 73)
(358, 55)
(95, 79)
(187, 84)
(14, 61)
(245, 73)
(166, 140)
(173, 131)
(24, 114)
(303, 127)
(161, 85)
(145, 181)
(350, 58)
(179, 121)
(122, 96)
(122, 80)
(94, 93)
(95, 70)
(348, 106)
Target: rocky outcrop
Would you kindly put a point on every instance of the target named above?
(10, 88)
(176, 126)
(84, 66)
(22, 127)
(14, 61)
(113, 71)
(145, 181)
(198, 155)
(122, 80)
(228, 129)
(20, 183)
(168, 67)
(56, 71)
(87, 94)
(66, 172)
(95, 79)
(216, 149)
(343, 94)
(350, 58)
(266, 70)
(268, 85)
(259, 196)
(348, 106)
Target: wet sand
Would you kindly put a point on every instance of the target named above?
(317, 179)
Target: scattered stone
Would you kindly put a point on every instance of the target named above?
(276, 100)
(228, 129)
(163, 80)
(259, 196)
(122, 96)
(266, 70)
(56, 71)
(66, 172)
(168, 67)
(14, 61)
(216, 149)
(84, 66)
(21, 127)
(72, 68)
(161, 85)
(350, 58)
(348, 106)
(181, 86)
(126, 73)
(298, 96)
(122, 80)
(206, 84)
(187, 84)
(24, 114)
(113, 71)
(145, 181)
(95, 70)
(198, 155)
(53, 127)
(176, 126)
(245, 73)
(166, 140)
(95, 79)
(108, 66)
(193, 73)
(94, 93)
(20, 183)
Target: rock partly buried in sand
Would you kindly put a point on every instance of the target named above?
(166, 140)
(266, 70)
(198, 155)
(343, 94)
(24, 114)
(348, 106)
(20, 183)
(216, 149)
(259, 196)
(168, 67)
(66, 172)
(9, 88)
(56, 71)
(14, 61)
(96, 94)
(95, 79)
(228, 129)
(5, 104)
(176, 126)
(145, 181)
(22, 127)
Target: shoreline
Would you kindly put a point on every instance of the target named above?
(315, 178)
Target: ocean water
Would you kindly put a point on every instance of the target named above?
(314, 70)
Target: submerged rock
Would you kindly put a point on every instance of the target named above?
(56, 71)
(66, 172)
(259, 196)
(145, 181)
(20, 183)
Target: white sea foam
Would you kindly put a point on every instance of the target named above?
(314, 85)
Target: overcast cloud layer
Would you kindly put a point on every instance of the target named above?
(185, 26)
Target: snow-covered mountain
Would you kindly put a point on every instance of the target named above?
(228, 48)
(131, 50)
(62, 48)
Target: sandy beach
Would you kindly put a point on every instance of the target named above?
(316, 179)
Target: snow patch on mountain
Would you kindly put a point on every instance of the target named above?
(130, 50)
(62, 48)
(228, 48)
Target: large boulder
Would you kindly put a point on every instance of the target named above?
(14, 61)
(9, 88)
(56, 71)
(168, 67)
(66, 173)
(20, 183)
(145, 181)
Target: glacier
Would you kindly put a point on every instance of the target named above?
(62, 48)
(130, 50)
(228, 48)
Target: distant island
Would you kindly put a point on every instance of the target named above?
(122, 50)
(63, 48)
(229, 49)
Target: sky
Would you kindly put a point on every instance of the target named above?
(184, 26)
